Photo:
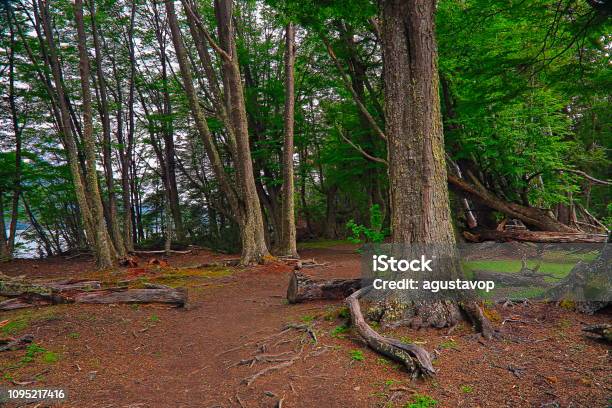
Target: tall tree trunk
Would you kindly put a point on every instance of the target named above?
(113, 221)
(254, 247)
(17, 131)
(66, 129)
(104, 248)
(5, 255)
(420, 211)
(288, 245)
(169, 153)
(243, 201)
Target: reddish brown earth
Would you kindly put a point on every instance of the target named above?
(156, 356)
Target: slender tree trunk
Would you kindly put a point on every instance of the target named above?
(5, 254)
(125, 151)
(113, 221)
(244, 202)
(288, 244)
(254, 247)
(169, 153)
(65, 126)
(105, 249)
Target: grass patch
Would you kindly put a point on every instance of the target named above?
(556, 268)
(308, 318)
(421, 401)
(74, 335)
(24, 319)
(448, 344)
(50, 357)
(321, 244)
(356, 355)
(339, 331)
(154, 318)
(466, 389)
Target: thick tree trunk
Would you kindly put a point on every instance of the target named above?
(288, 244)
(420, 210)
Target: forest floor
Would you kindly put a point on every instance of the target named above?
(157, 356)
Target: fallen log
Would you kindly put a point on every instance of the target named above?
(588, 284)
(304, 288)
(10, 287)
(172, 296)
(16, 344)
(416, 359)
(602, 332)
(534, 236)
(513, 279)
(536, 217)
(161, 251)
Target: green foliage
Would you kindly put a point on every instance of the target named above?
(308, 318)
(448, 344)
(466, 389)
(357, 355)
(421, 401)
(338, 331)
(374, 234)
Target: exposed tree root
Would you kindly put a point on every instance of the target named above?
(249, 380)
(437, 314)
(416, 359)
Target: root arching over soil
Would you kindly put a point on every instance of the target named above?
(414, 358)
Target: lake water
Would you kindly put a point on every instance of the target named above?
(24, 247)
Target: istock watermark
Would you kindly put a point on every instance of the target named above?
(489, 271)
(433, 286)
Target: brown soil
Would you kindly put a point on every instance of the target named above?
(156, 356)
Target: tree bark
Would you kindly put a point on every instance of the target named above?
(288, 236)
(113, 221)
(529, 215)
(304, 288)
(420, 210)
(252, 233)
(534, 236)
(65, 124)
(104, 248)
(173, 296)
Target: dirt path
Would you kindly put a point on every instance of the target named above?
(154, 356)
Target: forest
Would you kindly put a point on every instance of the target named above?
(170, 169)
